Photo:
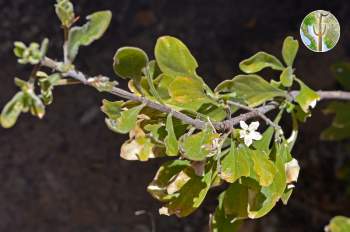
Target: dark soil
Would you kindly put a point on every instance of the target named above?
(63, 173)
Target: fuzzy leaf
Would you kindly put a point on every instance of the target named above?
(260, 61)
(96, 26)
(235, 164)
(129, 62)
(174, 58)
(12, 110)
(290, 50)
(172, 146)
(253, 89)
(65, 12)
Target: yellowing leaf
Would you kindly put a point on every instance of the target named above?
(137, 149)
(174, 58)
(290, 50)
(306, 97)
(96, 26)
(264, 168)
(187, 93)
(235, 164)
(287, 76)
(158, 187)
(260, 61)
(12, 110)
(192, 194)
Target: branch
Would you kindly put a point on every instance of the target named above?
(197, 123)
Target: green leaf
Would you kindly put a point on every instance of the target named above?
(37, 107)
(253, 89)
(290, 50)
(126, 121)
(158, 187)
(235, 201)
(65, 12)
(112, 109)
(192, 193)
(12, 110)
(340, 128)
(129, 62)
(264, 143)
(96, 26)
(220, 222)
(286, 195)
(187, 93)
(267, 197)
(198, 146)
(235, 164)
(260, 61)
(306, 97)
(339, 224)
(162, 85)
(287, 77)
(172, 146)
(174, 58)
(264, 168)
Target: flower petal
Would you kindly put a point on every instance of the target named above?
(242, 133)
(243, 125)
(255, 135)
(254, 125)
(248, 140)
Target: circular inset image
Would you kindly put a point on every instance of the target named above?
(320, 31)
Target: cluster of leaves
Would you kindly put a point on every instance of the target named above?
(253, 175)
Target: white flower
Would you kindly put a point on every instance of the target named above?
(249, 133)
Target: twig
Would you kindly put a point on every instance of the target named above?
(261, 115)
(223, 126)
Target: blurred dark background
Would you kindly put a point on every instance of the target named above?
(63, 173)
